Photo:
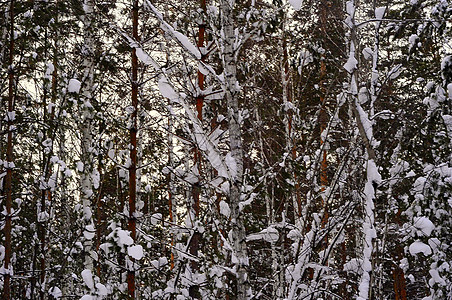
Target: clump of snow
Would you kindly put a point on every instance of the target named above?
(424, 225)
(167, 90)
(80, 166)
(305, 58)
(296, 4)
(395, 71)
(135, 252)
(161, 262)
(419, 247)
(351, 63)
(436, 278)
(413, 40)
(231, 163)
(224, 209)
(367, 53)
(74, 86)
(156, 218)
(87, 276)
(379, 12)
(101, 289)
(269, 234)
(354, 266)
(124, 237)
(10, 116)
(55, 292)
(143, 57)
(363, 95)
(187, 44)
(89, 232)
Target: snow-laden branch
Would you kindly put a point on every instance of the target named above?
(183, 41)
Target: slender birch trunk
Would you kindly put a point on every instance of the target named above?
(229, 56)
(373, 177)
(87, 158)
(9, 162)
(291, 151)
(41, 213)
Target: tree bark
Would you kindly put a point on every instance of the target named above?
(87, 116)
(239, 255)
(133, 152)
(9, 161)
(196, 189)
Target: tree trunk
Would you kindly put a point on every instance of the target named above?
(239, 256)
(133, 152)
(87, 115)
(9, 161)
(196, 189)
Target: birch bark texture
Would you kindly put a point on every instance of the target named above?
(231, 88)
(87, 114)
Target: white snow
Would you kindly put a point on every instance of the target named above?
(269, 234)
(43, 216)
(156, 218)
(296, 4)
(101, 289)
(135, 251)
(55, 292)
(379, 12)
(305, 58)
(351, 63)
(224, 209)
(87, 276)
(96, 178)
(10, 116)
(231, 163)
(143, 57)
(80, 166)
(350, 7)
(449, 90)
(162, 261)
(124, 237)
(49, 71)
(354, 266)
(436, 278)
(419, 247)
(73, 86)
(363, 95)
(365, 122)
(187, 44)
(424, 225)
(395, 71)
(179, 36)
(89, 232)
(367, 53)
(167, 90)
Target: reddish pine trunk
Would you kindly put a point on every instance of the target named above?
(397, 272)
(133, 151)
(323, 118)
(196, 189)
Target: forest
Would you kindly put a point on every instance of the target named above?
(222, 149)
